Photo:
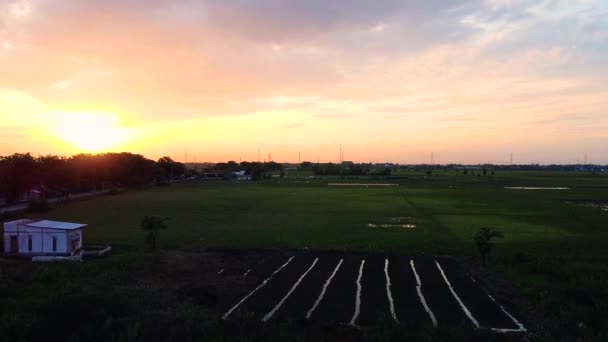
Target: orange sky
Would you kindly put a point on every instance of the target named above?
(469, 80)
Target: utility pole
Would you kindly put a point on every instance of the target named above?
(299, 157)
(511, 159)
(340, 159)
(269, 157)
(258, 155)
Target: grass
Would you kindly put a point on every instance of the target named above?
(553, 253)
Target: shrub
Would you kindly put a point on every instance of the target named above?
(483, 240)
(39, 205)
(151, 225)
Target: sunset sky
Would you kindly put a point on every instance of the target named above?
(471, 81)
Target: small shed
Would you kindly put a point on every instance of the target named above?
(42, 238)
(241, 176)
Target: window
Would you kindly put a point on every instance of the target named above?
(14, 244)
(29, 243)
(54, 244)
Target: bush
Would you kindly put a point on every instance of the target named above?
(483, 239)
(40, 205)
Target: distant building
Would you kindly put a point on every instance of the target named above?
(241, 176)
(42, 238)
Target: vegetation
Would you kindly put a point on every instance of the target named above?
(38, 205)
(257, 170)
(151, 225)
(54, 176)
(347, 169)
(483, 240)
(553, 253)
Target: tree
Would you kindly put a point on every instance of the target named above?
(306, 165)
(151, 225)
(38, 205)
(385, 171)
(483, 239)
(171, 168)
(17, 175)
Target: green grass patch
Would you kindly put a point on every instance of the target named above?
(554, 252)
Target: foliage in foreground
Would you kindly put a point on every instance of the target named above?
(129, 300)
(152, 225)
(483, 240)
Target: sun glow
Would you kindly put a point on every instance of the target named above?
(91, 132)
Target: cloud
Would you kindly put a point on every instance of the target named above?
(19, 9)
(564, 118)
(333, 116)
(5, 47)
(62, 84)
(293, 125)
(338, 66)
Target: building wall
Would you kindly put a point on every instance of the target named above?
(42, 240)
(73, 235)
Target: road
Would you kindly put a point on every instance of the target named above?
(23, 205)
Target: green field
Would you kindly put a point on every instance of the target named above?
(296, 215)
(554, 253)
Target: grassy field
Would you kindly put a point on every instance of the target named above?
(554, 252)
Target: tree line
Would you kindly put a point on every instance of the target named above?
(53, 176)
(257, 170)
(346, 169)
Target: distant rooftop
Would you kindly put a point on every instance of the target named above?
(55, 225)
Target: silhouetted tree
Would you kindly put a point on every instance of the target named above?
(17, 175)
(151, 225)
(306, 165)
(483, 240)
(171, 169)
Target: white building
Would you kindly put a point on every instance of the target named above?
(42, 237)
(241, 176)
